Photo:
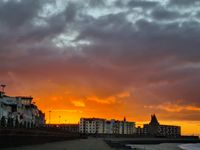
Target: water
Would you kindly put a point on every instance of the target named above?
(165, 146)
(190, 146)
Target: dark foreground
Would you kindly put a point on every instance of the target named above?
(47, 139)
(78, 144)
(93, 143)
(19, 137)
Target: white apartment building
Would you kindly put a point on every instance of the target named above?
(19, 111)
(103, 126)
(127, 127)
(91, 125)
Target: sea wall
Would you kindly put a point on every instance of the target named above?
(18, 137)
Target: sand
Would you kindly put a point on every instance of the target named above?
(81, 144)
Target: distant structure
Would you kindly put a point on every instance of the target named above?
(72, 128)
(103, 126)
(3, 87)
(19, 111)
(154, 128)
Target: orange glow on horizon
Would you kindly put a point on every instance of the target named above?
(67, 107)
(73, 117)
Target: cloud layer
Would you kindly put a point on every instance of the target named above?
(97, 50)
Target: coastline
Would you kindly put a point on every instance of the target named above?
(151, 143)
(166, 146)
(190, 146)
(163, 146)
(116, 141)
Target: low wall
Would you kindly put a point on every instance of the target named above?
(18, 137)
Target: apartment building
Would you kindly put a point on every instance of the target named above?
(103, 126)
(154, 128)
(19, 111)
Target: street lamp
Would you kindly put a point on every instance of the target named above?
(49, 116)
(59, 118)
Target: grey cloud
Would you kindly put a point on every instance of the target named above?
(183, 2)
(198, 14)
(146, 54)
(15, 14)
(106, 27)
(163, 14)
(17, 22)
(97, 3)
(143, 4)
(136, 3)
(71, 12)
(151, 47)
(162, 39)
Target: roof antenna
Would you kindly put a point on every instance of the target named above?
(3, 87)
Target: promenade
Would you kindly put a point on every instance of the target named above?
(79, 144)
(92, 144)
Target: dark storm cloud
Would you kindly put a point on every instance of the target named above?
(151, 47)
(183, 2)
(70, 12)
(14, 14)
(17, 23)
(198, 14)
(163, 14)
(140, 52)
(166, 40)
(143, 4)
(136, 3)
(97, 3)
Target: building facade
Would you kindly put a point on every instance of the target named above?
(103, 126)
(19, 111)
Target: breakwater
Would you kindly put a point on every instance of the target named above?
(18, 137)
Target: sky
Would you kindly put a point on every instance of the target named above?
(104, 58)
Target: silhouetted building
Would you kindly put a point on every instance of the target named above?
(154, 128)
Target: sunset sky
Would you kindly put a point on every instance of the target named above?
(104, 58)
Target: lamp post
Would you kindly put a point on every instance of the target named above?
(59, 118)
(49, 116)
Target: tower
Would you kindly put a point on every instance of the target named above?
(3, 87)
(153, 127)
(154, 120)
(124, 119)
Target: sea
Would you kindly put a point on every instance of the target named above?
(190, 146)
(165, 146)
